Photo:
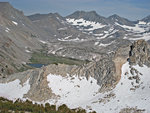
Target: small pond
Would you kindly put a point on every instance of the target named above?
(37, 65)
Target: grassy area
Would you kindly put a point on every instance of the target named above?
(43, 58)
(7, 106)
(22, 68)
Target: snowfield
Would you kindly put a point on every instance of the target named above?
(140, 30)
(81, 22)
(73, 91)
(80, 92)
(14, 90)
(15, 23)
(145, 36)
(42, 41)
(136, 28)
(71, 40)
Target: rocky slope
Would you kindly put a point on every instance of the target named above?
(69, 41)
(18, 38)
(100, 81)
(86, 35)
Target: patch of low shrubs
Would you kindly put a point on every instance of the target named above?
(8, 106)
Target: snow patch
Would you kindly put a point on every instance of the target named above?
(96, 43)
(64, 28)
(140, 97)
(67, 39)
(15, 23)
(28, 51)
(145, 36)
(73, 91)
(24, 63)
(81, 22)
(98, 34)
(80, 92)
(142, 22)
(105, 45)
(136, 28)
(7, 29)
(43, 41)
(108, 34)
(14, 90)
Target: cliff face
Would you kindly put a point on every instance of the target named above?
(139, 53)
(102, 70)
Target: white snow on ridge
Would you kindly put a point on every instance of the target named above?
(79, 92)
(14, 90)
(141, 96)
(15, 23)
(124, 97)
(64, 28)
(28, 51)
(108, 34)
(142, 22)
(7, 29)
(73, 91)
(96, 43)
(145, 36)
(105, 45)
(136, 28)
(42, 41)
(82, 22)
(67, 39)
(98, 34)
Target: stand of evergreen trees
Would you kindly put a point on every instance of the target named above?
(8, 106)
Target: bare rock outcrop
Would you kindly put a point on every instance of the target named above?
(139, 53)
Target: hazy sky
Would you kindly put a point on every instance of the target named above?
(131, 9)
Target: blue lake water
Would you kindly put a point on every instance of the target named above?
(37, 65)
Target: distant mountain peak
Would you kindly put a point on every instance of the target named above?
(8, 10)
(5, 5)
(39, 16)
(89, 16)
(146, 19)
(80, 14)
(116, 18)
